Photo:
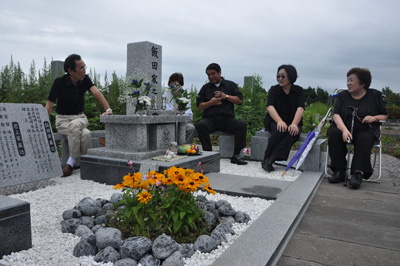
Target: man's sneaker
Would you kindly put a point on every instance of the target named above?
(236, 160)
(356, 179)
(337, 177)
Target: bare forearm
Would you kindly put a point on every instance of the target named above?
(298, 115)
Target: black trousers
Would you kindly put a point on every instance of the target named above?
(279, 144)
(363, 142)
(229, 125)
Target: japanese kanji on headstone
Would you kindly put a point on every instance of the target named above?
(144, 61)
(28, 152)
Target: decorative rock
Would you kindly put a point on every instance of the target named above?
(100, 220)
(107, 255)
(126, 262)
(210, 219)
(205, 244)
(86, 246)
(149, 260)
(69, 226)
(88, 206)
(83, 230)
(219, 233)
(115, 198)
(226, 209)
(241, 217)
(226, 220)
(135, 247)
(210, 206)
(219, 203)
(102, 201)
(108, 237)
(186, 250)
(174, 260)
(69, 214)
(96, 227)
(163, 247)
(88, 221)
(108, 206)
(201, 198)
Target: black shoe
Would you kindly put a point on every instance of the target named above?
(337, 177)
(236, 160)
(356, 179)
(267, 167)
(67, 170)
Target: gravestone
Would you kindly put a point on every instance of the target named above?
(28, 152)
(57, 68)
(144, 62)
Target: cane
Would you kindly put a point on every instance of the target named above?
(346, 178)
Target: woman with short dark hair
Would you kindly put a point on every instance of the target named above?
(369, 110)
(285, 105)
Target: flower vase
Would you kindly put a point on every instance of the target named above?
(181, 109)
(142, 112)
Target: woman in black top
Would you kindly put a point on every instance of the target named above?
(369, 109)
(285, 105)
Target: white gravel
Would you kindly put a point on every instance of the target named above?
(52, 247)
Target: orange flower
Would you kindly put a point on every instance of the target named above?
(144, 197)
(119, 186)
(209, 189)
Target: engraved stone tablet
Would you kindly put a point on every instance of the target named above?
(28, 152)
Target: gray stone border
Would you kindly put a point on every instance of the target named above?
(265, 240)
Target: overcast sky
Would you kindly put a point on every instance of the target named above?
(323, 39)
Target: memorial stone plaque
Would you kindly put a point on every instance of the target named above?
(28, 152)
(144, 61)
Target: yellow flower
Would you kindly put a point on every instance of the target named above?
(144, 197)
(119, 186)
(209, 189)
(192, 186)
(202, 179)
(128, 181)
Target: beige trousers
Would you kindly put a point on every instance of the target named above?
(75, 128)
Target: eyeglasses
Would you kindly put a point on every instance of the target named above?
(83, 67)
(280, 76)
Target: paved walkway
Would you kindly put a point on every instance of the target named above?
(313, 222)
(348, 227)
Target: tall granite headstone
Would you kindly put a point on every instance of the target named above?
(57, 68)
(28, 152)
(144, 62)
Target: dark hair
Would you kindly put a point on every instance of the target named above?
(214, 66)
(291, 72)
(363, 75)
(176, 77)
(70, 62)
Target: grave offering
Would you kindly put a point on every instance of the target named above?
(28, 153)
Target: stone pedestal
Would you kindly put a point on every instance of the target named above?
(133, 137)
(15, 225)
(259, 144)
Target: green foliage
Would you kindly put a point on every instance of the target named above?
(394, 112)
(254, 107)
(161, 203)
(312, 116)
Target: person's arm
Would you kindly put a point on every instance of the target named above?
(102, 100)
(229, 98)
(293, 128)
(49, 107)
(280, 124)
(342, 127)
(374, 118)
(213, 101)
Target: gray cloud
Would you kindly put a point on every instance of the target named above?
(323, 39)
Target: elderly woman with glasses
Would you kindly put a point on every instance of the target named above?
(369, 109)
(285, 105)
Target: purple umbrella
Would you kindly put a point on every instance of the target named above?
(306, 147)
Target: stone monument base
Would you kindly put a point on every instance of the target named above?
(112, 170)
(15, 225)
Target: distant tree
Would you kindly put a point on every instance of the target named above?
(322, 95)
(390, 98)
(310, 95)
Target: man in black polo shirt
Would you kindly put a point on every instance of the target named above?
(217, 99)
(69, 92)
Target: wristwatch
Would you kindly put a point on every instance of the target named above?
(226, 97)
(108, 110)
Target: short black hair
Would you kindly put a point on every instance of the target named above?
(291, 72)
(70, 62)
(363, 75)
(214, 66)
(176, 77)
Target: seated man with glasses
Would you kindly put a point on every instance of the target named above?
(69, 93)
(285, 105)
